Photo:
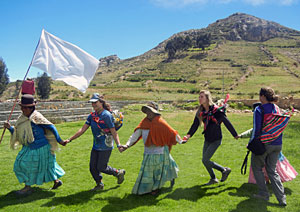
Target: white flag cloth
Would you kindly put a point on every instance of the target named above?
(64, 61)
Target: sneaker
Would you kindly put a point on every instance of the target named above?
(120, 176)
(283, 203)
(212, 181)
(225, 174)
(56, 185)
(98, 187)
(260, 196)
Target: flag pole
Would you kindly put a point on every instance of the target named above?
(15, 102)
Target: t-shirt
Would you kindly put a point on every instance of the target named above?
(100, 124)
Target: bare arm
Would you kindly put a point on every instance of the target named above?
(115, 135)
(79, 132)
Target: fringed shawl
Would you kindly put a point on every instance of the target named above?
(23, 131)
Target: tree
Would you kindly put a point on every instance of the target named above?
(203, 41)
(4, 80)
(43, 86)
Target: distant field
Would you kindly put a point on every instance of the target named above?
(188, 194)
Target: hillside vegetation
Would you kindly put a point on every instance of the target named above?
(245, 53)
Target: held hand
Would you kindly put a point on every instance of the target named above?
(120, 148)
(185, 139)
(123, 148)
(237, 137)
(6, 125)
(63, 143)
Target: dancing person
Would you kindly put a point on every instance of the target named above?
(273, 125)
(36, 162)
(212, 117)
(285, 170)
(104, 134)
(158, 166)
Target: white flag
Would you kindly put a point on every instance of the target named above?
(65, 61)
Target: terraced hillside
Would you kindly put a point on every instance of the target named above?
(244, 54)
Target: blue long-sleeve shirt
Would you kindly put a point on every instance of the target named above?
(40, 139)
(257, 117)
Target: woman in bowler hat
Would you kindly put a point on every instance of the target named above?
(36, 162)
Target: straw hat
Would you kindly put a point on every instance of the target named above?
(152, 106)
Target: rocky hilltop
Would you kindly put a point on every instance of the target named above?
(238, 26)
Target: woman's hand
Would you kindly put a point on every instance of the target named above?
(63, 143)
(185, 139)
(122, 148)
(7, 125)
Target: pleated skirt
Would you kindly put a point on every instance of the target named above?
(37, 166)
(156, 169)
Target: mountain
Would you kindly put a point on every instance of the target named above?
(236, 55)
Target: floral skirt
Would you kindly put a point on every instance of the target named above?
(37, 166)
(284, 169)
(155, 171)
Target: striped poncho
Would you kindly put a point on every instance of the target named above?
(274, 124)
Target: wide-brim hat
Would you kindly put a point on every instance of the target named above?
(96, 97)
(152, 106)
(27, 100)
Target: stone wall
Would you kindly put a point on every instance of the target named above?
(66, 111)
(56, 112)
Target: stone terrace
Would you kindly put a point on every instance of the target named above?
(56, 112)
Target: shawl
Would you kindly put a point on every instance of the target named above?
(160, 132)
(274, 124)
(23, 131)
(207, 116)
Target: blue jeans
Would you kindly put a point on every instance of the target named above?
(209, 149)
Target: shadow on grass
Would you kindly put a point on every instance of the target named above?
(132, 201)
(129, 202)
(75, 199)
(247, 190)
(197, 192)
(12, 198)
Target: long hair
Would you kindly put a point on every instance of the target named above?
(210, 102)
(269, 94)
(106, 105)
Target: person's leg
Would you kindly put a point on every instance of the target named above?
(209, 148)
(257, 164)
(93, 166)
(276, 184)
(103, 166)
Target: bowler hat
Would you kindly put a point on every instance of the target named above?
(27, 100)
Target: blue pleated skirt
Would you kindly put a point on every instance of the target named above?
(37, 166)
(156, 169)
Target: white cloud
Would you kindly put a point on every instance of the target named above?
(184, 3)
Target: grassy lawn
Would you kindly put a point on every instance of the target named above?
(188, 194)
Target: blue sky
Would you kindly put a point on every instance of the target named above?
(127, 28)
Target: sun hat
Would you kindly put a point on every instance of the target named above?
(152, 106)
(27, 100)
(96, 97)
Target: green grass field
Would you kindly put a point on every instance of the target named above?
(188, 194)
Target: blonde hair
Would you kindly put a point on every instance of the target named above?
(209, 99)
